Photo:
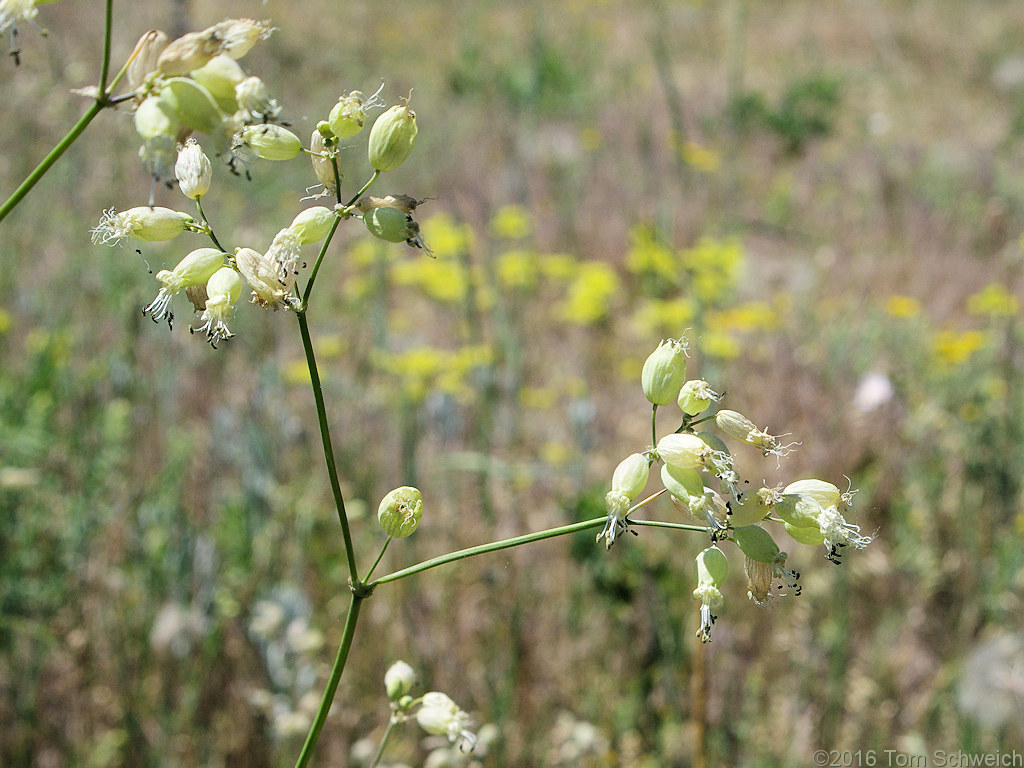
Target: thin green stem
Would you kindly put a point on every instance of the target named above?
(377, 561)
(366, 186)
(317, 263)
(494, 546)
(332, 682)
(654, 425)
(108, 26)
(383, 743)
(325, 437)
(206, 221)
(673, 526)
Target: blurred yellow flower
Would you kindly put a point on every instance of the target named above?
(446, 236)
(590, 139)
(752, 316)
(368, 251)
(518, 269)
(555, 454)
(511, 222)
(5, 322)
(658, 318)
(423, 369)
(719, 344)
(296, 372)
(902, 306)
(647, 255)
(538, 398)
(590, 294)
(994, 301)
(714, 266)
(955, 347)
(443, 280)
(558, 266)
(701, 158)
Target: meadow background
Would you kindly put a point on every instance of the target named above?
(828, 196)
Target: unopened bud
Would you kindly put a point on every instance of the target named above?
(347, 116)
(272, 142)
(392, 138)
(664, 372)
(193, 170)
(400, 511)
(399, 680)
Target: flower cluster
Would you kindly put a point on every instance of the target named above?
(697, 472)
(195, 85)
(435, 712)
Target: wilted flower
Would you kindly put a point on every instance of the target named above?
(261, 274)
(739, 427)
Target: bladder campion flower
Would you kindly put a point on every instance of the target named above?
(438, 714)
(195, 269)
(261, 274)
(664, 371)
(695, 396)
(399, 680)
(400, 511)
(222, 291)
(628, 480)
(739, 427)
(712, 568)
(141, 223)
(392, 137)
(193, 170)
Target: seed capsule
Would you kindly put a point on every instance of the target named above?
(392, 138)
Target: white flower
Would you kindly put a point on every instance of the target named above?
(141, 223)
(222, 290)
(438, 714)
(195, 269)
(268, 290)
(193, 170)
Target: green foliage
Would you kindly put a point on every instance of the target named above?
(805, 111)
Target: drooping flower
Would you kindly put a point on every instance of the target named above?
(193, 170)
(261, 274)
(628, 480)
(195, 269)
(222, 290)
(438, 714)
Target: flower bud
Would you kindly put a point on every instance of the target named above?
(392, 138)
(347, 116)
(400, 511)
(191, 104)
(399, 680)
(147, 52)
(630, 476)
(664, 372)
(756, 543)
(193, 170)
(312, 224)
(695, 396)
(272, 142)
(682, 450)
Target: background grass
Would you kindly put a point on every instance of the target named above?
(818, 191)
